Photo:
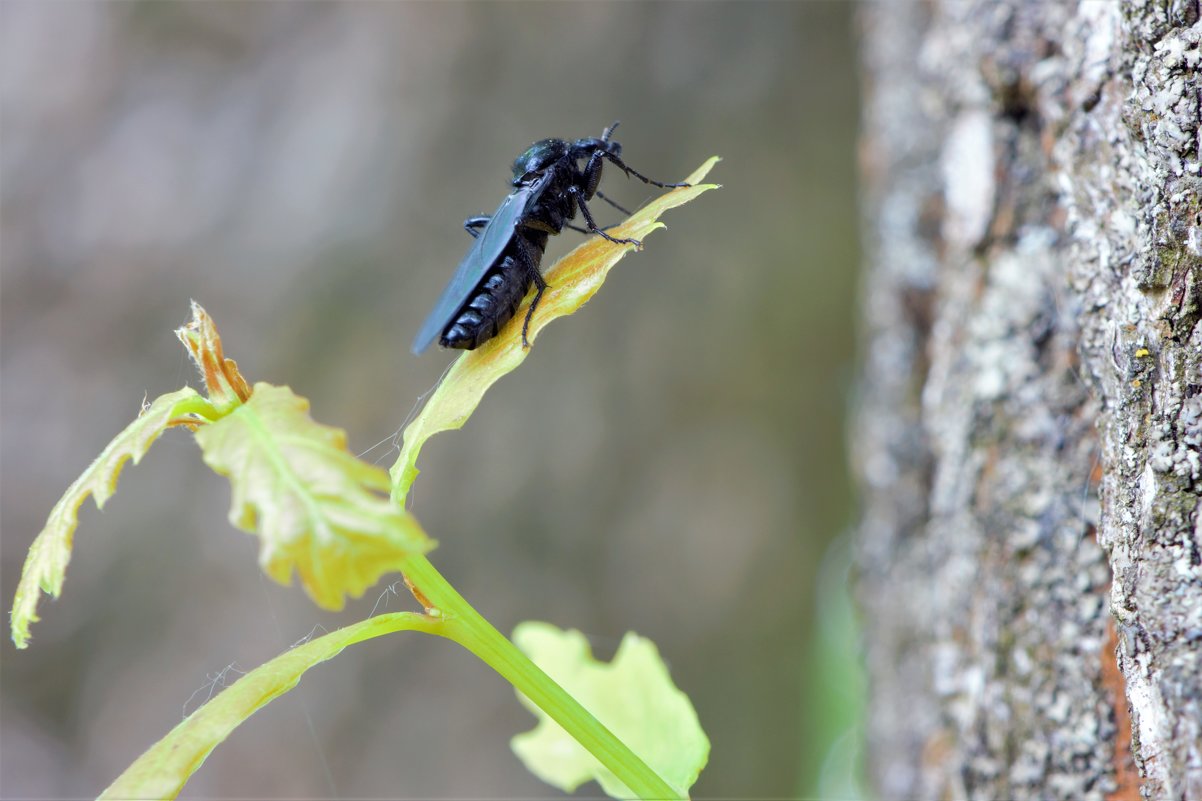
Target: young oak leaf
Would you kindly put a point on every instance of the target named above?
(224, 385)
(633, 696)
(572, 281)
(46, 563)
(317, 509)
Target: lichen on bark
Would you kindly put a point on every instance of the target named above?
(1013, 359)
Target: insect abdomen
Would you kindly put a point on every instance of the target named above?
(497, 298)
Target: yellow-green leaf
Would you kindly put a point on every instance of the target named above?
(317, 509)
(573, 280)
(46, 563)
(163, 769)
(633, 696)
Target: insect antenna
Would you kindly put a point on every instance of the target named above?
(608, 132)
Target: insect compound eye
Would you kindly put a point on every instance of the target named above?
(585, 148)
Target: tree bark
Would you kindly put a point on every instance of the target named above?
(1033, 224)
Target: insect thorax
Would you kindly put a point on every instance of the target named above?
(539, 156)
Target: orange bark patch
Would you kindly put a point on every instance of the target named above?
(1125, 774)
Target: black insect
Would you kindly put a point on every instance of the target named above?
(549, 186)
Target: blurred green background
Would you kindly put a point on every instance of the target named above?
(669, 460)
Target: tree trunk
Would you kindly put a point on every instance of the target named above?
(1032, 341)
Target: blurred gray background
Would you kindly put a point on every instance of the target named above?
(669, 460)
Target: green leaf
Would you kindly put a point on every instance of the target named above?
(572, 281)
(163, 769)
(317, 509)
(633, 696)
(46, 563)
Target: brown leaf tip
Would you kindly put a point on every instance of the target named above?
(224, 384)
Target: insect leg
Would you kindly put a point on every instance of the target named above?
(592, 224)
(472, 223)
(587, 231)
(540, 285)
(629, 171)
(615, 205)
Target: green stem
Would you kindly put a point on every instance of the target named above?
(464, 625)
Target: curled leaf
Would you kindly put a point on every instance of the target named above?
(224, 384)
(46, 563)
(633, 696)
(317, 509)
(573, 280)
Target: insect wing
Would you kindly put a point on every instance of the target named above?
(485, 251)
